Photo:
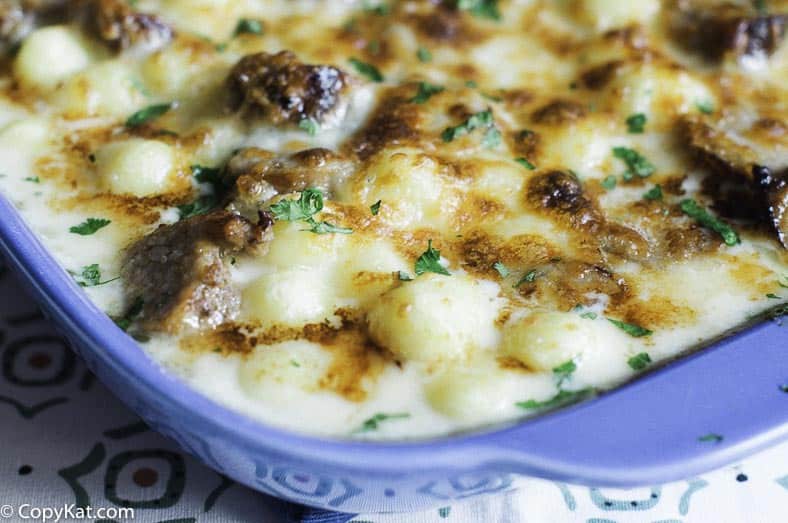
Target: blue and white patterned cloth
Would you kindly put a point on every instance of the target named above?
(67, 441)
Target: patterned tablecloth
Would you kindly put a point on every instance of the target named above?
(67, 442)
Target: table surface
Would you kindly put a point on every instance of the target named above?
(66, 440)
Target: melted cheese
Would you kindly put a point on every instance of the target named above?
(337, 328)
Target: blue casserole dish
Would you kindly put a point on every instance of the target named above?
(646, 432)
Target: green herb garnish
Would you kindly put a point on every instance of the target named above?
(202, 174)
(326, 228)
(201, 205)
(309, 125)
(637, 123)
(637, 165)
(33, 179)
(125, 321)
(528, 277)
(564, 397)
(693, 210)
(90, 276)
(715, 438)
(375, 208)
(90, 226)
(633, 330)
(563, 371)
(425, 92)
(502, 269)
(365, 69)
(374, 422)
(525, 163)
(404, 276)
(492, 138)
(380, 9)
(480, 8)
(429, 261)
(151, 112)
(609, 183)
(589, 315)
(248, 26)
(309, 203)
(706, 107)
(424, 55)
(655, 193)
(773, 296)
(475, 121)
(639, 361)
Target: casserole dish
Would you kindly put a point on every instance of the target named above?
(691, 415)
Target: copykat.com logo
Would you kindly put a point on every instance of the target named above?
(63, 513)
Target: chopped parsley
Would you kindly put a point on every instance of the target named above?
(564, 397)
(424, 55)
(327, 228)
(693, 210)
(309, 125)
(528, 277)
(711, 437)
(374, 422)
(492, 138)
(294, 363)
(564, 371)
(204, 174)
(90, 276)
(633, 330)
(481, 8)
(706, 107)
(374, 47)
(125, 321)
(525, 134)
(365, 69)
(140, 86)
(375, 208)
(773, 296)
(655, 193)
(89, 226)
(248, 26)
(639, 361)
(404, 276)
(502, 269)
(429, 261)
(380, 9)
(525, 163)
(425, 92)
(637, 123)
(481, 119)
(201, 205)
(33, 179)
(637, 164)
(147, 114)
(588, 315)
(492, 98)
(309, 203)
(609, 183)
